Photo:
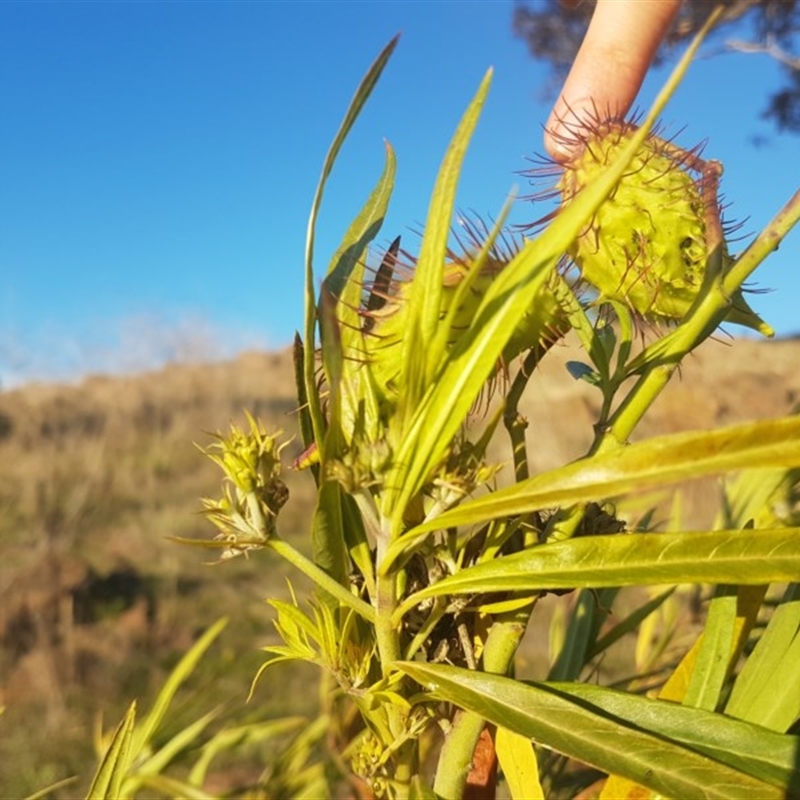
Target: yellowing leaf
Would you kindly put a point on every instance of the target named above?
(618, 788)
(518, 761)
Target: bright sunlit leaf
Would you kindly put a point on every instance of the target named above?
(588, 732)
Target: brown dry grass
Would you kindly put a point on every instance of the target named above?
(95, 602)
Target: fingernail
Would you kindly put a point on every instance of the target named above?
(560, 147)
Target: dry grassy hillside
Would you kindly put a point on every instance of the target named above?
(96, 603)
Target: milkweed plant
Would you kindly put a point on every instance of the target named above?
(427, 568)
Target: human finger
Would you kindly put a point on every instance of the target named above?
(608, 71)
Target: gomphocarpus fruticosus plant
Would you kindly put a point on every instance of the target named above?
(427, 573)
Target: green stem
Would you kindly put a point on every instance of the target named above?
(321, 578)
(456, 754)
(404, 759)
(640, 398)
(405, 767)
(514, 421)
(455, 757)
(387, 639)
(385, 631)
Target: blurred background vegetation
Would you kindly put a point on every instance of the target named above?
(97, 604)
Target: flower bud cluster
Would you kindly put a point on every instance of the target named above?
(253, 493)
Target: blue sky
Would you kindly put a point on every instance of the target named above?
(158, 160)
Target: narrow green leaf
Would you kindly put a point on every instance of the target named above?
(716, 650)
(47, 792)
(340, 331)
(778, 702)
(741, 557)
(759, 752)
(453, 393)
(426, 289)
(228, 739)
(445, 332)
(357, 543)
(629, 624)
(584, 624)
(654, 462)
(758, 674)
(356, 104)
(468, 366)
(351, 386)
(182, 671)
(588, 733)
(427, 437)
(164, 756)
(172, 787)
(332, 354)
(327, 535)
(298, 361)
(363, 229)
(107, 782)
(321, 578)
(751, 497)
(333, 362)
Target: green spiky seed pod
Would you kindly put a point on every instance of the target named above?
(540, 327)
(646, 246)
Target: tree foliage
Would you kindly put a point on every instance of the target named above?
(554, 29)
